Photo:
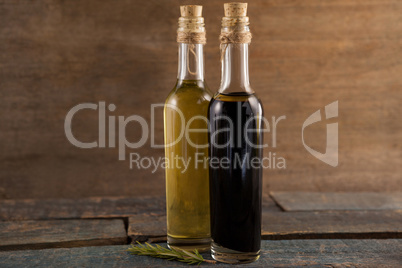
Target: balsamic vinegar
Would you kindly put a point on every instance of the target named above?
(236, 139)
(236, 191)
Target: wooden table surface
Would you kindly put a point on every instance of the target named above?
(323, 230)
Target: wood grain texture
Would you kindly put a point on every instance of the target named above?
(307, 201)
(332, 225)
(286, 253)
(294, 225)
(304, 54)
(94, 207)
(61, 233)
(147, 228)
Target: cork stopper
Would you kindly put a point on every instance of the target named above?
(235, 9)
(191, 11)
(191, 28)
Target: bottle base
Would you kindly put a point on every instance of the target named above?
(226, 255)
(190, 244)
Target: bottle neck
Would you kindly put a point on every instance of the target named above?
(235, 75)
(191, 62)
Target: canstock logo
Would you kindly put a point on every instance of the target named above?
(331, 152)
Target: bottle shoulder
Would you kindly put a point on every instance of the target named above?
(195, 92)
(236, 97)
(223, 101)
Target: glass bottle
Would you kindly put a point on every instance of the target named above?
(187, 176)
(236, 138)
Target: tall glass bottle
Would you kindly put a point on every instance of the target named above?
(236, 139)
(187, 177)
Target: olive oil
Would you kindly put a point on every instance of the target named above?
(187, 182)
(186, 109)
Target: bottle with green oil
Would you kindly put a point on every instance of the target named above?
(186, 140)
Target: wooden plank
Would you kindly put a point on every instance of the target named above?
(285, 253)
(311, 201)
(95, 207)
(304, 55)
(268, 204)
(295, 225)
(332, 225)
(18, 235)
(147, 228)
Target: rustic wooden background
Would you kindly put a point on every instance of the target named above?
(305, 54)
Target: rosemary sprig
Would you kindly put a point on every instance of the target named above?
(169, 254)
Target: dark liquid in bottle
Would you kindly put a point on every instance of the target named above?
(235, 185)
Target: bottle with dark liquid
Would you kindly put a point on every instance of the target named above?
(236, 139)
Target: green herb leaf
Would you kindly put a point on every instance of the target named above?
(169, 254)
